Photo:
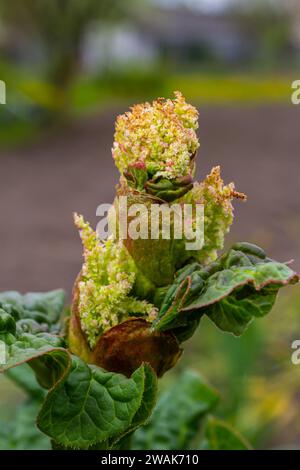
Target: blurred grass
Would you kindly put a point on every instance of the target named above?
(207, 89)
(33, 104)
(226, 89)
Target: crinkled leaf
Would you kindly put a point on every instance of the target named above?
(31, 340)
(169, 190)
(178, 415)
(120, 441)
(136, 176)
(235, 312)
(91, 405)
(239, 286)
(145, 410)
(220, 436)
(235, 295)
(43, 307)
(44, 353)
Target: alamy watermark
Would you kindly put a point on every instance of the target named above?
(296, 92)
(152, 221)
(2, 92)
(295, 358)
(2, 353)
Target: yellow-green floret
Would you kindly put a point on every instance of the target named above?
(218, 211)
(161, 135)
(107, 278)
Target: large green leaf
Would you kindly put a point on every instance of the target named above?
(220, 436)
(241, 285)
(177, 417)
(91, 405)
(27, 329)
(44, 352)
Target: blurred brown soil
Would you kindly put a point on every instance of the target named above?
(72, 170)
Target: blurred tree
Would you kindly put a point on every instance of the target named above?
(269, 24)
(59, 27)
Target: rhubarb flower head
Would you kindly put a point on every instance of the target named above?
(105, 283)
(161, 136)
(218, 211)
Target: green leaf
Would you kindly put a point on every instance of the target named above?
(235, 312)
(145, 410)
(220, 436)
(39, 306)
(188, 282)
(26, 330)
(91, 405)
(136, 176)
(239, 286)
(169, 190)
(177, 417)
(44, 353)
(50, 303)
(235, 295)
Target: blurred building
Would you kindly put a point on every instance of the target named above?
(185, 36)
(178, 35)
(293, 8)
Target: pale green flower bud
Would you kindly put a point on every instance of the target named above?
(160, 135)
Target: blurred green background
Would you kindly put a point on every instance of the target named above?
(70, 67)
